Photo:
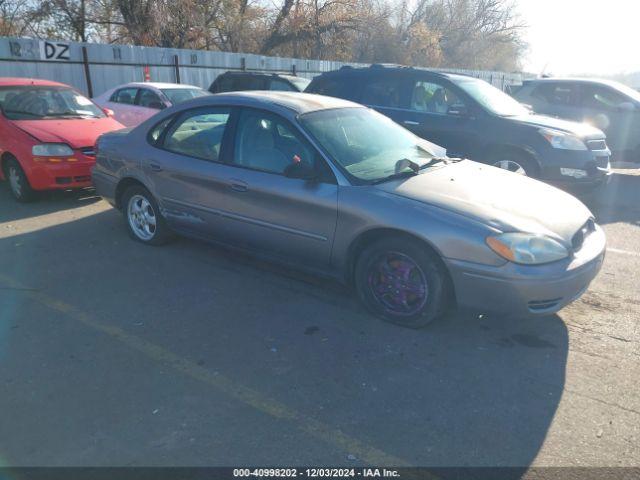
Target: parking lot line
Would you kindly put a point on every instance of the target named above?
(246, 395)
(623, 252)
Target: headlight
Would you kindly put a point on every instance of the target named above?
(52, 150)
(561, 140)
(527, 248)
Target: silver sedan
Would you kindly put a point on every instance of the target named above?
(336, 188)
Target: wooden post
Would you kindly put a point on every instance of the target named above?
(176, 65)
(87, 71)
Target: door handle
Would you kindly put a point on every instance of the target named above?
(155, 167)
(411, 122)
(239, 186)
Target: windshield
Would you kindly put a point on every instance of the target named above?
(179, 95)
(299, 82)
(366, 144)
(494, 100)
(35, 102)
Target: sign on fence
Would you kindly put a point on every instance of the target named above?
(54, 50)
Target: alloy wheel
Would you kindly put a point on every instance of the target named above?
(512, 166)
(142, 218)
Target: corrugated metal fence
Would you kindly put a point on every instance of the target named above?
(94, 68)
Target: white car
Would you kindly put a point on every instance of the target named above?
(132, 103)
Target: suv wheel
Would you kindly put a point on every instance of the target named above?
(18, 181)
(399, 281)
(516, 163)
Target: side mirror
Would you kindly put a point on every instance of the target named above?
(300, 170)
(108, 112)
(458, 111)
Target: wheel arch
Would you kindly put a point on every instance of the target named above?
(4, 158)
(122, 186)
(376, 234)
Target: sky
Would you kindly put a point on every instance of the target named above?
(581, 36)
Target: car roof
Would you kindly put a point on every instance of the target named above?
(259, 74)
(17, 81)
(294, 101)
(158, 85)
(389, 68)
(571, 79)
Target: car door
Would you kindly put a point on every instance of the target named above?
(387, 93)
(557, 99)
(148, 103)
(186, 170)
(271, 212)
(122, 102)
(611, 111)
(439, 112)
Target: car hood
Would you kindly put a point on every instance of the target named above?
(500, 199)
(75, 132)
(582, 130)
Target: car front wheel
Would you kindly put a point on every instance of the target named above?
(516, 163)
(142, 215)
(18, 182)
(402, 282)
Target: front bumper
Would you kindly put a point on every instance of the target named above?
(595, 163)
(62, 175)
(523, 290)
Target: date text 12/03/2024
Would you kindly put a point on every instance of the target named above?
(316, 472)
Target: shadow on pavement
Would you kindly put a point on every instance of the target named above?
(44, 203)
(619, 201)
(468, 391)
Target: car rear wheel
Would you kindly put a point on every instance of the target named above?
(18, 182)
(516, 163)
(400, 281)
(142, 214)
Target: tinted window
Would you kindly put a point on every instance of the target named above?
(234, 83)
(198, 133)
(124, 95)
(556, 93)
(267, 142)
(433, 98)
(150, 99)
(601, 97)
(383, 92)
(281, 85)
(340, 88)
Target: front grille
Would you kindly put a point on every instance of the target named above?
(88, 151)
(597, 144)
(580, 236)
(602, 162)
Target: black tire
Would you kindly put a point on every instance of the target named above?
(530, 167)
(18, 182)
(160, 233)
(367, 279)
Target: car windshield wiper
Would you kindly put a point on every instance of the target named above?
(400, 171)
(434, 160)
(71, 113)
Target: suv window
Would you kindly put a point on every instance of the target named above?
(149, 99)
(267, 142)
(234, 83)
(556, 93)
(601, 97)
(433, 98)
(198, 133)
(384, 92)
(334, 88)
(281, 85)
(124, 95)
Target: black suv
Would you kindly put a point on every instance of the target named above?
(238, 81)
(475, 120)
(611, 106)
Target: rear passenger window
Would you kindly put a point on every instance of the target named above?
(124, 95)
(198, 133)
(383, 93)
(281, 85)
(334, 88)
(556, 93)
(156, 132)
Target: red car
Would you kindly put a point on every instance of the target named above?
(48, 133)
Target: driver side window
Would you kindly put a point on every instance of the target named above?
(432, 97)
(266, 142)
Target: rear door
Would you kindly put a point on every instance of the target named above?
(270, 212)
(557, 99)
(122, 102)
(388, 93)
